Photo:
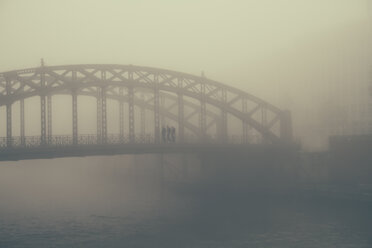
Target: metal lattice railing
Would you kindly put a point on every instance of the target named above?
(112, 139)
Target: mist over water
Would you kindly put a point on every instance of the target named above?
(107, 201)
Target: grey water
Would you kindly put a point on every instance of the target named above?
(109, 202)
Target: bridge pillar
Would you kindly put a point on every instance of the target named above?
(156, 110)
(162, 106)
(43, 120)
(42, 107)
(8, 89)
(74, 118)
(49, 118)
(22, 119)
(99, 116)
(121, 115)
(9, 140)
(131, 114)
(181, 114)
(202, 117)
(223, 135)
(104, 115)
(143, 121)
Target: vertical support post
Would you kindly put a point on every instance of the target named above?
(103, 109)
(9, 140)
(8, 87)
(49, 118)
(42, 107)
(43, 119)
(131, 114)
(143, 121)
(99, 115)
(104, 114)
(202, 117)
(121, 115)
(74, 110)
(22, 118)
(224, 137)
(162, 106)
(131, 108)
(74, 118)
(156, 110)
(244, 122)
(181, 112)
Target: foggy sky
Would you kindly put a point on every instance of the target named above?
(267, 47)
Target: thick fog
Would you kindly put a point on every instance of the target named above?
(310, 57)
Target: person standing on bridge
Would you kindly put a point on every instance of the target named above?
(169, 134)
(173, 134)
(163, 134)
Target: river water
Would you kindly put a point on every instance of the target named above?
(100, 202)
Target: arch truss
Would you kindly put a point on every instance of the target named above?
(206, 109)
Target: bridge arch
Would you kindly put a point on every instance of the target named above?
(123, 82)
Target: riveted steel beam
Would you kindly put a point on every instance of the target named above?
(144, 78)
(202, 117)
(22, 119)
(74, 118)
(99, 115)
(49, 118)
(131, 114)
(121, 114)
(42, 107)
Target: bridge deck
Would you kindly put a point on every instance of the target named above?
(47, 152)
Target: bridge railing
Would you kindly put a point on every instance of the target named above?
(114, 139)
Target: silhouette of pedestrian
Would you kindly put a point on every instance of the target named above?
(163, 134)
(173, 134)
(168, 134)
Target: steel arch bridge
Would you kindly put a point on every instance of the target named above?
(198, 107)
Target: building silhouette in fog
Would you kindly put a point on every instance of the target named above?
(347, 107)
